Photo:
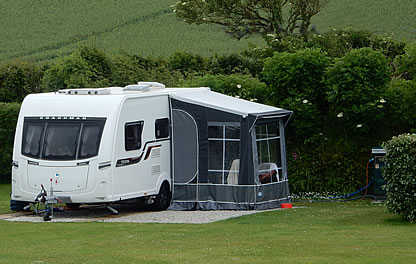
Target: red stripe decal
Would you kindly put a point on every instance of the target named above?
(150, 150)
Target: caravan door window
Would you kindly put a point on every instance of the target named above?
(162, 128)
(61, 138)
(133, 135)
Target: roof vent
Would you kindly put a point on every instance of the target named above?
(144, 86)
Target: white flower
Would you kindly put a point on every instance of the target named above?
(184, 3)
(238, 86)
(382, 101)
(360, 125)
(340, 114)
(305, 101)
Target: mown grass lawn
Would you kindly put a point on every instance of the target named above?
(354, 232)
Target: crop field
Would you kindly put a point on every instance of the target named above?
(45, 29)
(378, 16)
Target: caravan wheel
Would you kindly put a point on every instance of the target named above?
(162, 201)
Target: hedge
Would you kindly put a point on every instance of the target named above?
(400, 175)
(8, 119)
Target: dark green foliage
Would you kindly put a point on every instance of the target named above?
(337, 43)
(356, 86)
(297, 75)
(130, 69)
(19, 79)
(326, 163)
(400, 175)
(8, 119)
(187, 64)
(234, 63)
(297, 84)
(400, 107)
(238, 85)
(98, 64)
(86, 67)
(406, 64)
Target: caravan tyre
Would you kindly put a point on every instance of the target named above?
(162, 201)
(73, 206)
(17, 206)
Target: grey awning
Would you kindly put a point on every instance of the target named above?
(229, 104)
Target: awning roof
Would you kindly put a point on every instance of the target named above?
(229, 104)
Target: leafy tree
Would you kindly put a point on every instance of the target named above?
(298, 76)
(187, 63)
(242, 18)
(17, 79)
(85, 67)
(357, 83)
(406, 63)
(337, 43)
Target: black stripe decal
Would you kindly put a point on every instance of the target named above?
(135, 160)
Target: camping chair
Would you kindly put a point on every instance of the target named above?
(268, 172)
(232, 177)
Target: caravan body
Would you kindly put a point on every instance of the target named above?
(93, 145)
(203, 149)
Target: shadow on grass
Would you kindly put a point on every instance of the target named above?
(397, 220)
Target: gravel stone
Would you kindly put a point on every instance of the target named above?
(131, 216)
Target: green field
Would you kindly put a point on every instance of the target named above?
(378, 16)
(45, 29)
(354, 232)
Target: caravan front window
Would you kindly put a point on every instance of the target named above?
(61, 138)
(32, 135)
(61, 141)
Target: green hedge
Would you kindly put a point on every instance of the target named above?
(400, 174)
(18, 79)
(8, 119)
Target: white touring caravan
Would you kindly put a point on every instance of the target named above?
(188, 148)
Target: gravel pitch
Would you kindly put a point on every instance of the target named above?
(130, 216)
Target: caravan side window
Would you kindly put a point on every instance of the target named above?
(162, 128)
(133, 135)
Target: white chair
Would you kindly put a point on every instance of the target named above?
(232, 177)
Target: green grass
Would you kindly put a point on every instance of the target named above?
(355, 232)
(45, 29)
(5, 190)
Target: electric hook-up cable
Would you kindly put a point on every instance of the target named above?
(335, 198)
